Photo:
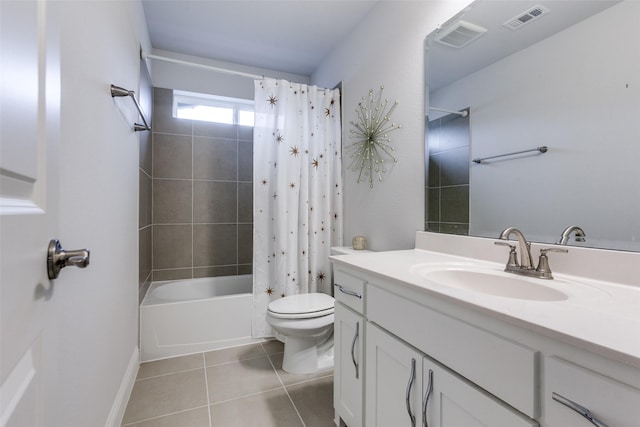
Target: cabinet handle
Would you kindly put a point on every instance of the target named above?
(411, 380)
(427, 395)
(579, 409)
(353, 348)
(347, 291)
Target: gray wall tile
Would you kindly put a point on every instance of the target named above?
(215, 244)
(172, 156)
(215, 130)
(172, 201)
(245, 243)
(215, 158)
(172, 247)
(245, 202)
(163, 120)
(245, 161)
(172, 274)
(215, 202)
(144, 207)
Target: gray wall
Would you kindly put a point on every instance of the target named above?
(202, 196)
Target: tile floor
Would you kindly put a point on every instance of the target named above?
(237, 387)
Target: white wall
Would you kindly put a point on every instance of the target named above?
(176, 76)
(578, 93)
(97, 308)
(387, 48)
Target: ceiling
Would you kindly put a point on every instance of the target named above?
(293, 36)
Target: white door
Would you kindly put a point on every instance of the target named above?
(29, 127)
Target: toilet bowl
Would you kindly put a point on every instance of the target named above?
(305, 323)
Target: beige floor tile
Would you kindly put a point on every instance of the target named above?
(234, 354)
(288, 378)
(273, 347)
(170, 366)
(154, 397)
(237, 379)
(269, 409)
(194, 418)
(314, 401)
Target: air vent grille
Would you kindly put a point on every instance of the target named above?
(527, 17)
(460, 34)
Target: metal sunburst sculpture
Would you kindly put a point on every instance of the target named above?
(372, 143)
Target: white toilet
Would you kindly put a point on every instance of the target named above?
(305, 323)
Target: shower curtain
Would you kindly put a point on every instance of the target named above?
(297, 192)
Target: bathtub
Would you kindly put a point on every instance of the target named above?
(196, 315)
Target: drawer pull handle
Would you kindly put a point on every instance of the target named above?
(427, 395)
(412, 378)
(347, 291)
(579, 409)
(353, 348)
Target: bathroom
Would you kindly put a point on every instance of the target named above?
(90, 350)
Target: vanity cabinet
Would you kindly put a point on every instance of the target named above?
(348, 366)
(349, 333)
(406, 388)
(574, 394)
(407, 343)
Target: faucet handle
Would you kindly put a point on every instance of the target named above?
(543, 269)
(513, 255)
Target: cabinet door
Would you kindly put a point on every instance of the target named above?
(349, 369)
(394, 381)
(454, 402)
(577, 397)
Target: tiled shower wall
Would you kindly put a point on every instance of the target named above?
(144, 171)
(448, 175)
(202, 196)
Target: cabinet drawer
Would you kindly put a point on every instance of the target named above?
(506, 369)
(349, 290)
(612, 403)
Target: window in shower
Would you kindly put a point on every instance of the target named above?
(212, 108)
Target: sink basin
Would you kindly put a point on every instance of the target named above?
(490, 282)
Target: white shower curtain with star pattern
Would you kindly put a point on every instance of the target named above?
(297, 192)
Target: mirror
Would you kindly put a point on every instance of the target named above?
(567, 78)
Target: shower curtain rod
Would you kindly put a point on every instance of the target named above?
(461, 113)
(201, 66)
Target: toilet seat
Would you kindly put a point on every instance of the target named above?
(302, 306)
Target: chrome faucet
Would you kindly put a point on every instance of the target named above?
(525, 267)
(566, 234)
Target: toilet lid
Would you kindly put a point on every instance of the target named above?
(303, 306)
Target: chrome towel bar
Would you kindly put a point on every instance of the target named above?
(542, 149)
(118, 91)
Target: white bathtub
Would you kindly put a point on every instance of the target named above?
(191, 316)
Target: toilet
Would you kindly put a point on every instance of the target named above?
(304, 323)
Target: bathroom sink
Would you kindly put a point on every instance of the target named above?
(491, 282)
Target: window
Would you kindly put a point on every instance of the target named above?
(211, 108)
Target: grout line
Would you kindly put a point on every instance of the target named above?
(168, 373)
(246, 395)
(286, 391)
(164, 415)
(206, 387)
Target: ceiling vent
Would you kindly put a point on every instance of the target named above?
(460, 34)
(527, 17)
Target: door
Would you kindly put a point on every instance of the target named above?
(29, 126)
(349, 370)
(451, 401)
(394, 381)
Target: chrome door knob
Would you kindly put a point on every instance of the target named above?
(58, 258)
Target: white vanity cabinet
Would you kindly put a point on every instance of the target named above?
(578, 397)
(406, 388)
(393, 381)
(349, 332)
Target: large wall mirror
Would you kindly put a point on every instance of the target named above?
(558, 74)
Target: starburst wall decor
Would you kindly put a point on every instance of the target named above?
(372, 143)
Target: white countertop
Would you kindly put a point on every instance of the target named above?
(602, 317)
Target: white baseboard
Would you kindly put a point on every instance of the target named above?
(124, 392)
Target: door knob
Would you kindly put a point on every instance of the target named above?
(58, 258)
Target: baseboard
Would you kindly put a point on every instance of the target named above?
(124, 392)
